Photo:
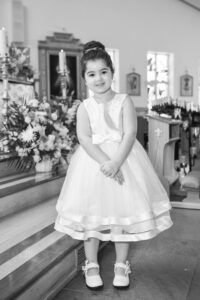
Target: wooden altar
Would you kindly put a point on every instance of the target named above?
(48, 65)
(163, 136)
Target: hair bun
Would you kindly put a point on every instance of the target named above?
(93, 45)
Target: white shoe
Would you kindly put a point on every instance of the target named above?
(92, 281)
(122, 281)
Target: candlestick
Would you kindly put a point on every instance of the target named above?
(62, 61)
(63, 74)
(4, 65)
(3, 43)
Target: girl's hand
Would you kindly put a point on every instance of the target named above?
(109, 168)
(119, 177)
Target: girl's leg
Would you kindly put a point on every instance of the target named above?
(91, 247)
(121, 249)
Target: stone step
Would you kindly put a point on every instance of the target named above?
(41, 270)
(23, 227)
(22, 192)
(10, 178)
(36, 261)
(32, 252)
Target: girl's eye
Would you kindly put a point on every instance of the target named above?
(91, 75)
(104, 72)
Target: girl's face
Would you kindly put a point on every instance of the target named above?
(98, 76)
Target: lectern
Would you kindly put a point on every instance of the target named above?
(163, 135)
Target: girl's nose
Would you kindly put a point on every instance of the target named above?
(98, 76)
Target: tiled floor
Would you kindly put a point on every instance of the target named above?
(164, 268)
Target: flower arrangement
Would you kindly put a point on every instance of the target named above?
(182, 167)
(186, 111)
(36, 131)
(20, 63)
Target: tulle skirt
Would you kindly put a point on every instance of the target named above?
(93, 205)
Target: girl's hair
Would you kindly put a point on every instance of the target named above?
(95, 50)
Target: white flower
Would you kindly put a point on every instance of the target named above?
(42, 119)
(36, 151)
(63, 131)
(51, 137)
(33, 145)
(41, 146)
(54, 116)
(4, 112)
(27, 135)
(57, 154)
(71, 111)
(6, 149)
(46, 105)
(66, 146)
(23, 108)
(34, 103)
(5, 142)
(36, 158)
(22, 152)
(27, 120)
(49, 145)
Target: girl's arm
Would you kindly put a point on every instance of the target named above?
(85, 136)
(129, 116)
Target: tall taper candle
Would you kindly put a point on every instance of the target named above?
(3, 42)
(62, 60)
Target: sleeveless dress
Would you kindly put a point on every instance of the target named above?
(93, 205)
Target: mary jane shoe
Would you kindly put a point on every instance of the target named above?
(92, 281)
(122, 281)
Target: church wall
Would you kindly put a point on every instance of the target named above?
(132, 26)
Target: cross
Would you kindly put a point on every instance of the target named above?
(158, 132)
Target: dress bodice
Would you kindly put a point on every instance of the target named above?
(105, 119)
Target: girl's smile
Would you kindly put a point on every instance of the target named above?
(98, 76)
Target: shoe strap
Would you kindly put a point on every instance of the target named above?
(89, 266)
(126, 267)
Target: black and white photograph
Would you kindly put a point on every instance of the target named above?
(186, 85)
(133, 84)
(99, 150)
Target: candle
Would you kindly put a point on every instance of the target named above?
(62, 60)
(3, 42)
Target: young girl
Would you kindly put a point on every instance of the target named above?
(111, 192)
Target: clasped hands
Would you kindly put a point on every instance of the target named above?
(110, 169)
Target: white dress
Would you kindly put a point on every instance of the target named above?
(93, 205)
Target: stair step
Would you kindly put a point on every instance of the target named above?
(26, 227)
(10, 178)
(15, 183)
(36, 270)
(14, 250)
(30, 248)
(28, 253)
(22, 193)
(36, 261)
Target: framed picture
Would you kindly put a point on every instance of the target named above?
(133, 84)
(186, 85)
